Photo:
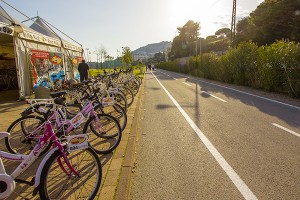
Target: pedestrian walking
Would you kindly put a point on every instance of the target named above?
(83, 68)
(152, 67)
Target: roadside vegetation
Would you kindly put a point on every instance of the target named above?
(274, 68)
(127, 59)
(265, 52)
(136, 70)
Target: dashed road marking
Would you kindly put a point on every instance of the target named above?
(247, 93)
(214, 96)
(186, 83)
(286, 129)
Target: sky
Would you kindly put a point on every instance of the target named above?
(113, 24)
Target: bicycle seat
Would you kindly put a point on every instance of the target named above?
(60, 100)
(76, 84)
(57, 94)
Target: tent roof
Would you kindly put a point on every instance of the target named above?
(40, 26)
(6, 21)
(38, 32)
(4, 17)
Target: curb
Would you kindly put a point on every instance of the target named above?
(117, 173)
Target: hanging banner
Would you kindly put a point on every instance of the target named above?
(75, 60)
(47, 68)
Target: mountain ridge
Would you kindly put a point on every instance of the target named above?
(151, 49)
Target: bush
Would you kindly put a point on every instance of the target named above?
(280, 67)
(272, 68)
(241, 64)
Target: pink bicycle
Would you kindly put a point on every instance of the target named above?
(104, 130)
(71, 170)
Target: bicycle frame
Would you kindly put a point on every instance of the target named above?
(77, 120)
(27, 160)
(85, 113)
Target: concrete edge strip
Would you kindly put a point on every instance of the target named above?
(123, 187)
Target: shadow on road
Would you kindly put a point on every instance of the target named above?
(277, 105)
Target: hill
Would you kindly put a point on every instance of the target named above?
(151, 49)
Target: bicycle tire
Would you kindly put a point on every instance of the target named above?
(116, 111)
(128, 93)
(7, 82)
(54, 180)
(134, 86)
(108, 135)
(139, 79)
(121, 100)
(16, 143)
(73, 103)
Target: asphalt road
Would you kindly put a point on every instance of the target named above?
(203, 140)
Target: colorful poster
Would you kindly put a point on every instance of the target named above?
(47, 68)
(75, 60)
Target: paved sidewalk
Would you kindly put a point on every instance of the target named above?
(116, 167)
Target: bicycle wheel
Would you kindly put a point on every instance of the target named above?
(134, 86)
(56, 184)
(20, 141)
(104, 134)
(139, 79)
(73, 103)
(121, 100)
(7, 82)
(128, 93)
(116, 111)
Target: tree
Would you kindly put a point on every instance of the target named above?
(223, 32)
(272, 20)
(127, 57)
(103, 53)
(158, 57)
(185, 43)
(211, 38)
(245, 30)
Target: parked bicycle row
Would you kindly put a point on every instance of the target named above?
(71, 128)
(8, 79)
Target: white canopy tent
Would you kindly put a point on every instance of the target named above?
(23, 40)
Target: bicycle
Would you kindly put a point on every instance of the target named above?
(105, 129)
(71, 163)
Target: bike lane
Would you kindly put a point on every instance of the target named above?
(171, 163)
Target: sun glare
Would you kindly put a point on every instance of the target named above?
(211, 14)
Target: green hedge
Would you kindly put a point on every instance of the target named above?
(273, 68)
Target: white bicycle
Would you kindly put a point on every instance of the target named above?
(71, 170)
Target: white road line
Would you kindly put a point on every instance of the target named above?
(234, 177)
(214, 96)
(279, 102)
(186, 83)
(287, 130)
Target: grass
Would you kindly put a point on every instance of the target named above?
(136, 71)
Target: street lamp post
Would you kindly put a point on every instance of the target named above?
(200, 50)
(196, 47)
